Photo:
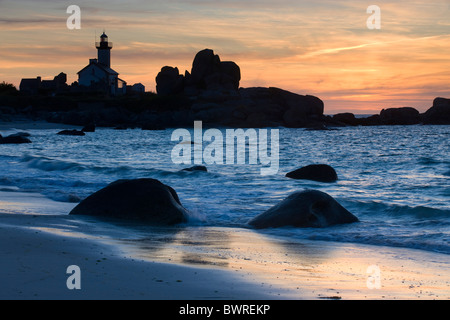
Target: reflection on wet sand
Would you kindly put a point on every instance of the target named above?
(308, 269)
(298, 268)
(232, 248)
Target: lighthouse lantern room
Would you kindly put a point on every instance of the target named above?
(104, 50)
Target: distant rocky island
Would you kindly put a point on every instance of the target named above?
(209, 93)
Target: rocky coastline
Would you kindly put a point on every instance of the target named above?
(209, 93)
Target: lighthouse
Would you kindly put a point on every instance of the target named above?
(98, 76)
(104, 50)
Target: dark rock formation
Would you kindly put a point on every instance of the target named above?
(205, 64)
(207, 73)
(196, 168)
(346, 118)
(400, 116)
(229, 75)
(373, 120)
(16, 138)
(310, 208)
(260, 107)
(315, 172)
(169, 81)
(20, 134)
(71, 133)
(439, 113)
(146, 200)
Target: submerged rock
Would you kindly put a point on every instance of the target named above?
(71, 133)
(146, 200)
(309, 208)
(16, 138)
(196, 168)
(315, 172)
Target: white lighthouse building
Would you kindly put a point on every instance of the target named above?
(98, 75)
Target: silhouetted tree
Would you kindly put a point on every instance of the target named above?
(8, 88)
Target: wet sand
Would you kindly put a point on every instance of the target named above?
(38, 241)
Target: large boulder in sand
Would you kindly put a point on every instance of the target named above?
(315, 172)
(309, 208)
(146, 200)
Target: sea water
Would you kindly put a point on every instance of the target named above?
(395, 179)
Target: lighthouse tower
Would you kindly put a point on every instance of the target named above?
(98, 76)
(104, 50)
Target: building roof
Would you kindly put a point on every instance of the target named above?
(30, 84)
(101, 66)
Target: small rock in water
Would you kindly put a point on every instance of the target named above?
(315, 172)
(196, 168)
(71, 133)
(17, 138)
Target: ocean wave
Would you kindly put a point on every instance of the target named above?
(47, 164)
(432, 243)
(112, 170)
(6, 181)
(430, 160)
(371, 233)
(397, 210)
(61, 196)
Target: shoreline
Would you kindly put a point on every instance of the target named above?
(38, 241)
(122, 261)
(35, 263)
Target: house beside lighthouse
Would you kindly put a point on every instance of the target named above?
(98, 75)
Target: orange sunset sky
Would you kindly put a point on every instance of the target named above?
(322, 48)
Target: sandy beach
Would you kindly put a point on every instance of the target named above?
(195, 262)
(39, 241)
(38, 248)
